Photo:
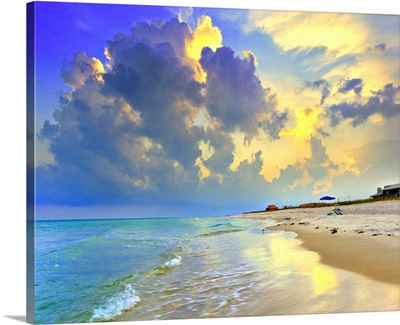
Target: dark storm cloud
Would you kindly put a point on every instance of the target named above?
(355, 85)
(384, 102)
(321, 85)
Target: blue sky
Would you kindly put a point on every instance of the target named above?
(180, 111)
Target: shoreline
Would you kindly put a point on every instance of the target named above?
(375, 258)
(364, 240)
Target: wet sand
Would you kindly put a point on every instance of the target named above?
(374, 257)
(364, 240)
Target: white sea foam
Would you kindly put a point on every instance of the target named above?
(173, 262)
(116, 305)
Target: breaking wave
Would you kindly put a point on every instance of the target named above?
(173, 262)
(116, 305)
(162, 268)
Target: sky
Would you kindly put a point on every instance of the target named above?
(161, 111)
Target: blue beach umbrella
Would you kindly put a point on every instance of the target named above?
(327, 198)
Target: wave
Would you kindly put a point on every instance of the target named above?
(220, 232)
(119, 282)
(226, 225)
(163, 268)
(116, 305)
(173, 262)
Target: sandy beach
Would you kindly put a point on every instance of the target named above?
(365, 239)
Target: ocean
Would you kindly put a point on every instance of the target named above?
(173, 268)
(146, 269)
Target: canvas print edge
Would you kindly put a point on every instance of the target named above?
(30, 171)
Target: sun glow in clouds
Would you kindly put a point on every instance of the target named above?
(306, 120)
(339, 33)
(205, 35)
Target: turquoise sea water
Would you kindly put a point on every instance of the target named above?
(146, 269)
(182, 268)
(186, 268)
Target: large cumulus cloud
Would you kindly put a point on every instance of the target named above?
(234, 93)
(130, 133)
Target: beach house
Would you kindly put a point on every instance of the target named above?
(387, 190)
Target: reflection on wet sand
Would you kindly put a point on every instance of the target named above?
(308, 286)
(285, 255)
